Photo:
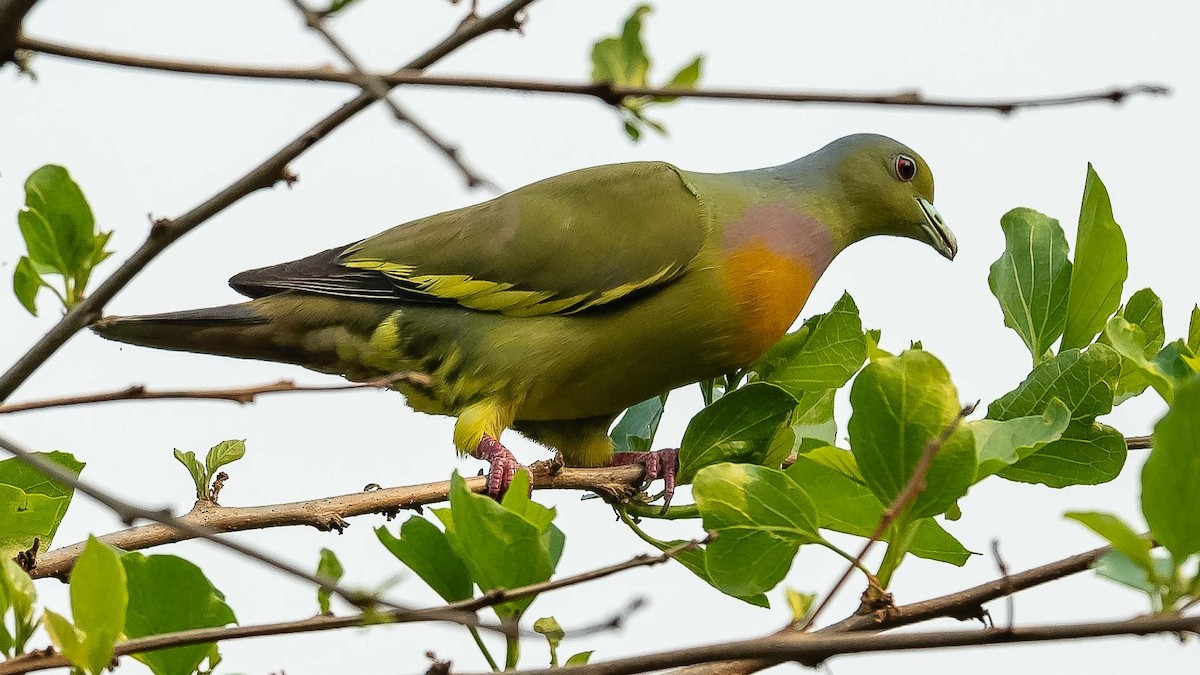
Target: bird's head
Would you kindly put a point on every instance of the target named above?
(887, 188)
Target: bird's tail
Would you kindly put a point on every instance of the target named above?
(240, 330)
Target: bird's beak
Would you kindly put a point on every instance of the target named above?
(940, 236)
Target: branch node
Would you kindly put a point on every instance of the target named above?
(288, 177)
(27, 559)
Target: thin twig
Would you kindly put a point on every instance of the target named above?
(330, 513)
(905, 498)
(261, 177)
(39, 661)
(243, 395)
(811, 648)
(130, 513)
(379, 88)
(605, 92)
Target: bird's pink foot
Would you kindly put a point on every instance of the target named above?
(502, 465)
(657, 464)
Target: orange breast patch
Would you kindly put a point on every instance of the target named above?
(769, 290)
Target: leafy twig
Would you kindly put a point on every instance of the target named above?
(907, 495)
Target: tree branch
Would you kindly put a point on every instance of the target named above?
(330, 513)
(810, 648)
(605, 92)
(266, 174)
(44, 661)
(243, 395)
(378, 87)
(130, 513)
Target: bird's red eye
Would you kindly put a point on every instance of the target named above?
(906, 168)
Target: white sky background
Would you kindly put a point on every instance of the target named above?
(140, 142)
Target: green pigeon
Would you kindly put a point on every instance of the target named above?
(552, 308)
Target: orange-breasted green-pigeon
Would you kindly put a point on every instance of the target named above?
(552, 308)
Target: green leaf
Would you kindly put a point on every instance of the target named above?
(24, 518)
(1002, 444)
(53, 195)
(636, 63)
(685, 78)
(813, 416)
(831, 478)
(1122, 537)
(1145, 310)
(99, 597)
(549, 627)
(1136, 368)
(1088, 453)
(1081, 380)
(168, 594)
(501, 549)
(737, 427)
(32, 505)
(824, 353)
(761, 517)
(425, 550)
(1193, 338)
(580, 659)
(1171, 475)
(901, 405)
(26, 284)
(801, 604)
(634, 432)
(196, 470)
(18, 595)
(1032, 278)
(337, 6)
(1117, 566)
(225, 452)
(330, 569)
(67, 639)
(1100, 266)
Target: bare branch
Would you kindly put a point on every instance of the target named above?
(810, 648)
(605, 92)
(42, 661)
(330, 513)
(243, 395)
(378, 87)
(263, 176)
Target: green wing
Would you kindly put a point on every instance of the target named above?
(559, 246)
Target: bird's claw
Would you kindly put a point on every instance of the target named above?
(502, 466)
(656, 464)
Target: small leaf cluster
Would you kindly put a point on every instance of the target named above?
(116, 595)
(204, 475)
(1171, 506)
(486, 545)
(60, 237)
(622, 60)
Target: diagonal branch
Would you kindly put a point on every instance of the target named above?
(243, 395)
(608, 93)
(330, 513)
(379, 88)
(266, 174)
(44, 661)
